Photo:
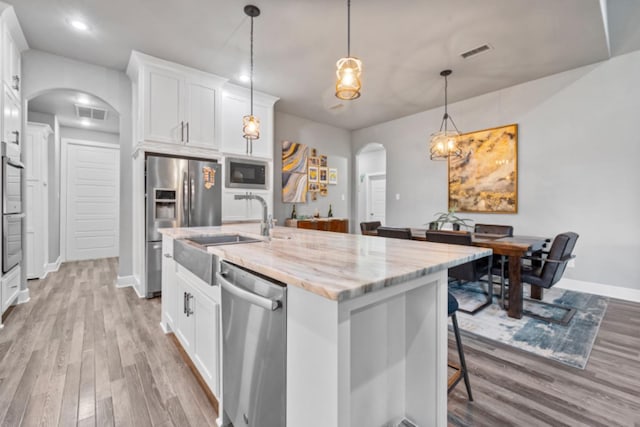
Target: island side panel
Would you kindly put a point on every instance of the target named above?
(372, 359)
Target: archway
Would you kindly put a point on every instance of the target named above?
(82, 122)
(371, 177)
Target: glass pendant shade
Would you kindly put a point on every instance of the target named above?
(251, 127)
(348, 78)
(444, 144)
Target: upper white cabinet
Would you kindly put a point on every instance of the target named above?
(11, 64)
(11, 120)
(175, 104)
(236, 103)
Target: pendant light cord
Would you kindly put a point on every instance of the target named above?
(348, 28)
(251, 66)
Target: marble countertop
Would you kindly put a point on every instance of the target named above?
(337, 266)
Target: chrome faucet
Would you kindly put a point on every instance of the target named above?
(267, 223)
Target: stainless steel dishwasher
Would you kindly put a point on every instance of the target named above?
(254, 344)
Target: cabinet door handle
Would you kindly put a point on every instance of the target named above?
(17, 134)
(189, 310)
(187, 132)
(184, 303)
(181, 131)
(16, 83)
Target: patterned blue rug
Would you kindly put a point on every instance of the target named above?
(569, 344)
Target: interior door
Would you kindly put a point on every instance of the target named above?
(35, 155)
(376, 198)
(92, 188)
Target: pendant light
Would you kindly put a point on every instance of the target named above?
(250, 123)
(444, 143)
(349, 69)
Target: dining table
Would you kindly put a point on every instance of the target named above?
(512, 247)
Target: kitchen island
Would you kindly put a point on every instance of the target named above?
(366, 322)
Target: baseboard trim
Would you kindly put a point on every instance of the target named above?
(52, 267)
(23, 296)
(129, 281)
(618, 292)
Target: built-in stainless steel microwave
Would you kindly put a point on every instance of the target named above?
(246, 173)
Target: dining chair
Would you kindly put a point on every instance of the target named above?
(472, 271)
(546, 270)
(369, 228)
(461, 370)
(500, 264)
(394, 232)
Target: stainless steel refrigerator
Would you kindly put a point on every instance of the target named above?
(180, 192)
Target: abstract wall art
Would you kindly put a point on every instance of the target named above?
(294, 172)
(485, 177)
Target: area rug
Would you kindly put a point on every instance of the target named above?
(570, 345)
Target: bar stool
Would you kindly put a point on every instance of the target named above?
(461, 370)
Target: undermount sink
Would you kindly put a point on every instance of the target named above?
(225, 239)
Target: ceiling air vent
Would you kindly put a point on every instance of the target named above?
(93, 113)
(476, 51)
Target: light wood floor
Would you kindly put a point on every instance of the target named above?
(84, 353)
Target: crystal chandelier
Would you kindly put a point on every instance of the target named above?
(444, 143)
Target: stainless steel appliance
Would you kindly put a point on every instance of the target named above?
(254, 348)
(245, 173)
(12, 214)
(180, 192)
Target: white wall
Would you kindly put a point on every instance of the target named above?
(89, 135)
(333, 142)
(578, 154)
(43, 71)
(371, 162)
(53, 178)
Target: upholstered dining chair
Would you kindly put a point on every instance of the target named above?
(547, 270)
(394, 232)
(473, 271)
(461, 370)
(369, 228)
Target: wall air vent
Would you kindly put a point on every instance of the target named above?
(93, 113)
(476, 51)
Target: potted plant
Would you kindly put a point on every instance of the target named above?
(449, 217)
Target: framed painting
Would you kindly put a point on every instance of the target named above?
(323, 175)
(485, 178)
(333, 176)
(313, 174)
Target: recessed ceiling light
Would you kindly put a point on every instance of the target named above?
(244, 78)
(79, 25)
(85, 122)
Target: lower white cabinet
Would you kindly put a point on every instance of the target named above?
(10, 289)
(191, 309)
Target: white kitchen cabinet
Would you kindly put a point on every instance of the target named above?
(11, 121)
(10, 288)
(36, 144)
(178, 105)
(170, 296)
(197, 322)
(244, 210)
(236, 103)
(11, 64)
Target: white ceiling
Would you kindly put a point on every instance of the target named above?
(61, 103)
(403, 44)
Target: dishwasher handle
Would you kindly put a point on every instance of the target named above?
(255, 299)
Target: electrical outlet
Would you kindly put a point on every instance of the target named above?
(397, 196)
(572, 263)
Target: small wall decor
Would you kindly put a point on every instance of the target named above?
(294, 172)
(323, 160)
(323, 177)
(333, 176)
(314, 161)
(485, 177)
(313, 174)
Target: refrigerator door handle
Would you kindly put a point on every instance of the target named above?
(185, 193)
(193, 190)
